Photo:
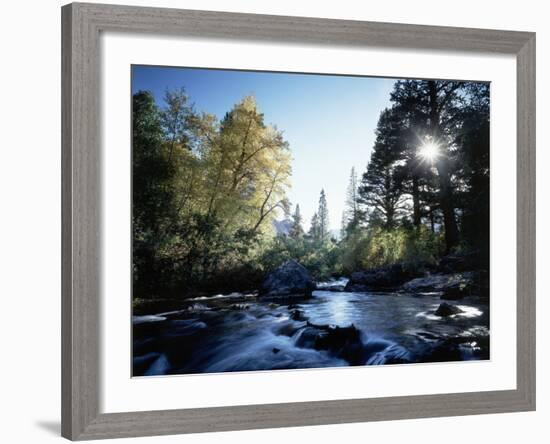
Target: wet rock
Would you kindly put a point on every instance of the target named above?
(457, 284)
(240, 307)
(297, 315)
(341, 342)
(290, 280)
(457, 291)
(443, 351)
(445, 310)
(307, 337)
(458, 348)
(197, 307)
(383, 278)
(475, 347)
(276, 350)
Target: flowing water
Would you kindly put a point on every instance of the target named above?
(236, 333)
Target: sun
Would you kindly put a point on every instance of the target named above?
(429, 151)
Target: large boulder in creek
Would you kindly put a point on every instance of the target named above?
(382, 278)
(451, 286)
(290, 280)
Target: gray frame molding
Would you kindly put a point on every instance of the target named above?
(81, 26)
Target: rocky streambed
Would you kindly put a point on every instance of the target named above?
(332, 327)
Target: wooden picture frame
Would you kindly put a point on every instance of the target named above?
(81, 171)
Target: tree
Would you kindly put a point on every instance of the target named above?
(473, 143)
(314, 228)
(248, 168)
(152, 194)
(205, 192)
(351, 217)
(296, 230)
(344, 226)
(380, 190)
(435, 106)
(322, 214)
(174, 118)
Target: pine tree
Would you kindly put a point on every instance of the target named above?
(314, 229)
(323, 217)
(380, 191)
(436, 105)
(344, 226)
(351, 216)
(296, 230)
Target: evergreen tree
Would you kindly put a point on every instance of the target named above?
(205, 192)
(473, 143)
(380, 189)
(344, 226)
(351, 216)
(296, 231)
(322, 213)
(436, 105)
(314, 228)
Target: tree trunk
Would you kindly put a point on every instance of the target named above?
(445, 186)
(389, 217)
(417, 220)
(447, 206)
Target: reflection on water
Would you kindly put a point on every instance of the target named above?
(216, 335)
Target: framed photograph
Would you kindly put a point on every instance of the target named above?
(278, 221)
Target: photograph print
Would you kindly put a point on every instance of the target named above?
(295, 221)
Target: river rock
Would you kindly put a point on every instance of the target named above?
(383, 278)
(239, 307)
(445, 310)
(342, 342)
(452, 286)
(288, 281)
(457, 291)
(442, 351)
(297, 315)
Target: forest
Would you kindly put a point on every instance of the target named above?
(211, 212)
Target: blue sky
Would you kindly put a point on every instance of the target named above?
(329, 121)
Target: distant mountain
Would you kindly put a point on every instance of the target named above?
(282, 227)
